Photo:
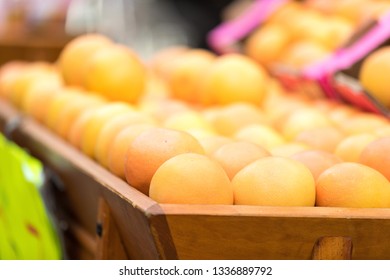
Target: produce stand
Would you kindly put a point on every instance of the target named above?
(102, 217)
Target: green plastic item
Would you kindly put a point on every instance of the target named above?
(26, 230)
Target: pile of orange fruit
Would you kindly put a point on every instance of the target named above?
(191, 127)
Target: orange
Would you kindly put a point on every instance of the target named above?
(162, 109)
(316, 160)
(227, 120)
(373, 76)
(303, 53)
(32, 75)
(288, 149)
(351, 184)
(161, 61)
(233, 78)
(120, 144)
(376, 154)
(152, 148)
(191, 179)
(8, 72)
(302, 120)
(274, 181)
(111, 128)
(78, 131)
(236, 155)
(322, 138)
(92, 128)
(350, 148)
(37, 99)
(267, 44)
(74, 57)
(260, 134)
(61, 99)
(187, 121)
(117, 73)
(186, 72)
(212, 143)
(74, 108)
(363, 123)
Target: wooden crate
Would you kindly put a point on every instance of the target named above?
(103, 217)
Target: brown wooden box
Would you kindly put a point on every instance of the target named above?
(102, 217)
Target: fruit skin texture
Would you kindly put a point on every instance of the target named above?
(351, 184)
(152, 148)
(191, 179)
(274, 181)
(377, 155)
(234, 78)
(116, 73)
(374, 75)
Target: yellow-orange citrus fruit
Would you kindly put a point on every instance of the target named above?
(351, 184)
(152, 148)
(267, 44)
(111, 128)
(186, 72)
(316, 160)
(373, 76)
(274, 181)
(322, 138)
(377, 155)
(228, 119)
(117, 73)
(350, 148)
(260, 134)
(120, 144)
(191, 179)
(234, 78)
(74, 57)
(236, 155)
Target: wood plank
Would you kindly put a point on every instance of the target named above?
(333, 248)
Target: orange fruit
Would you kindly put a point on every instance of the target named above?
(316, 160)
(212, 143)
(161, 61)
(233, 78)
(162, 109)
(111, 128)
(350, 148)
(61, 100)
(73, 109)
(120, 144)
(117, 73)
(236, 155)
(274, 181)
(302, 120)
(37, 99)
(8, 72)
(303, 53)
(74, 57)
(351, 184)
(100, 117)
(191, 178)
(363, 123)
(260, 134)
(267, 44)
(186, 72)
(322, 138)
(227, 120)
(373, 76)
(288, 149)
(83, 132)
(376, 155)
(150, 149)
